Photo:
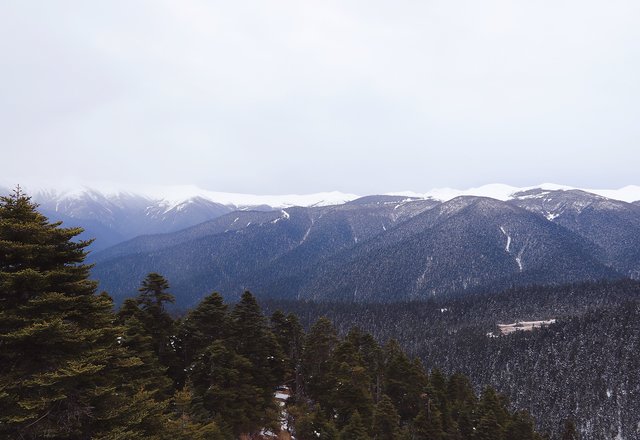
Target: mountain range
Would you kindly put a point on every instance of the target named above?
(373, 248)
(335, 246)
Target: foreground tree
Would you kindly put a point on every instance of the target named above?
(61, 368)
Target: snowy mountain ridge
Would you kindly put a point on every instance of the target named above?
(171, 197)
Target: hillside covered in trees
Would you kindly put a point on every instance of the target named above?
(583, 366)
(72, 368)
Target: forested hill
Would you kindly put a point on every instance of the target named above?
(584, 365)
(386, 249)
(71, 368)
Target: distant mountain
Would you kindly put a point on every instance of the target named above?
(112, 216)
(377, 248)
(243, 248)
(334, 245)
(460, 245)
(612, 226)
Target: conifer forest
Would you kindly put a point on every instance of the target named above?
(76, 366)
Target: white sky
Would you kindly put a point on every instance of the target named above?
(299, 96)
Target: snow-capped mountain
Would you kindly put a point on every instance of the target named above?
(112, 215)
(388, 248)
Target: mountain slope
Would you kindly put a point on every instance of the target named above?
(461, 245)
(247, 248)
(611, 225)
(373, 249)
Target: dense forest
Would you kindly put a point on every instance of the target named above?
(583, 366)
(72, 368)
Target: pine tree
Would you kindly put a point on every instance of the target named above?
(208, 322)
(488, 428)
(312, 424)
(428, 425)
(224, 389)
(386, 421)
(183, 421)
(351, 385)
(62, 372)
(150, 374)
(355, 429)
(318, 346)
(405, 381)
(290, 336)
(151, 301)
(252, 338)
(520, 427)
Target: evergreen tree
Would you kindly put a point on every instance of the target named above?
(428, 425)
(150, 374)
(373, 358)
(355, 429)
(290, 336)
(252, 338)
(351, 390)
(520, 427)
(312, 424)
(151, 300)
(224, 390)
(488, 428)
(386, 421)
(208, 322)
(318, 346)
(62, 372)
(183, 422)
(405, 381)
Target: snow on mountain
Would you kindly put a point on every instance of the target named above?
(172, 197)
(630, 193)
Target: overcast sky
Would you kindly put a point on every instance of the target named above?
(301, 96)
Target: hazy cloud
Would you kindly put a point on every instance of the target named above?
(297, 96)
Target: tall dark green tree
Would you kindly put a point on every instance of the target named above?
(405, 381)
(386, 421)
(290, 336)
(152, 299)
(252, 338)
(62, 372)
(520, 427)
(208, 322)
(355, 429)
(316, 359)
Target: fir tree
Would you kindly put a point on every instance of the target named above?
(351, 391)
(386, 421)
(252, 338)
(428, 425)
(355, 429)
(151, 301)
(290, 336)
(520, 427)
(62, 373)
(223, 388)
(318, 347)
(312, 424)
(208, 322)
(405, 381)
